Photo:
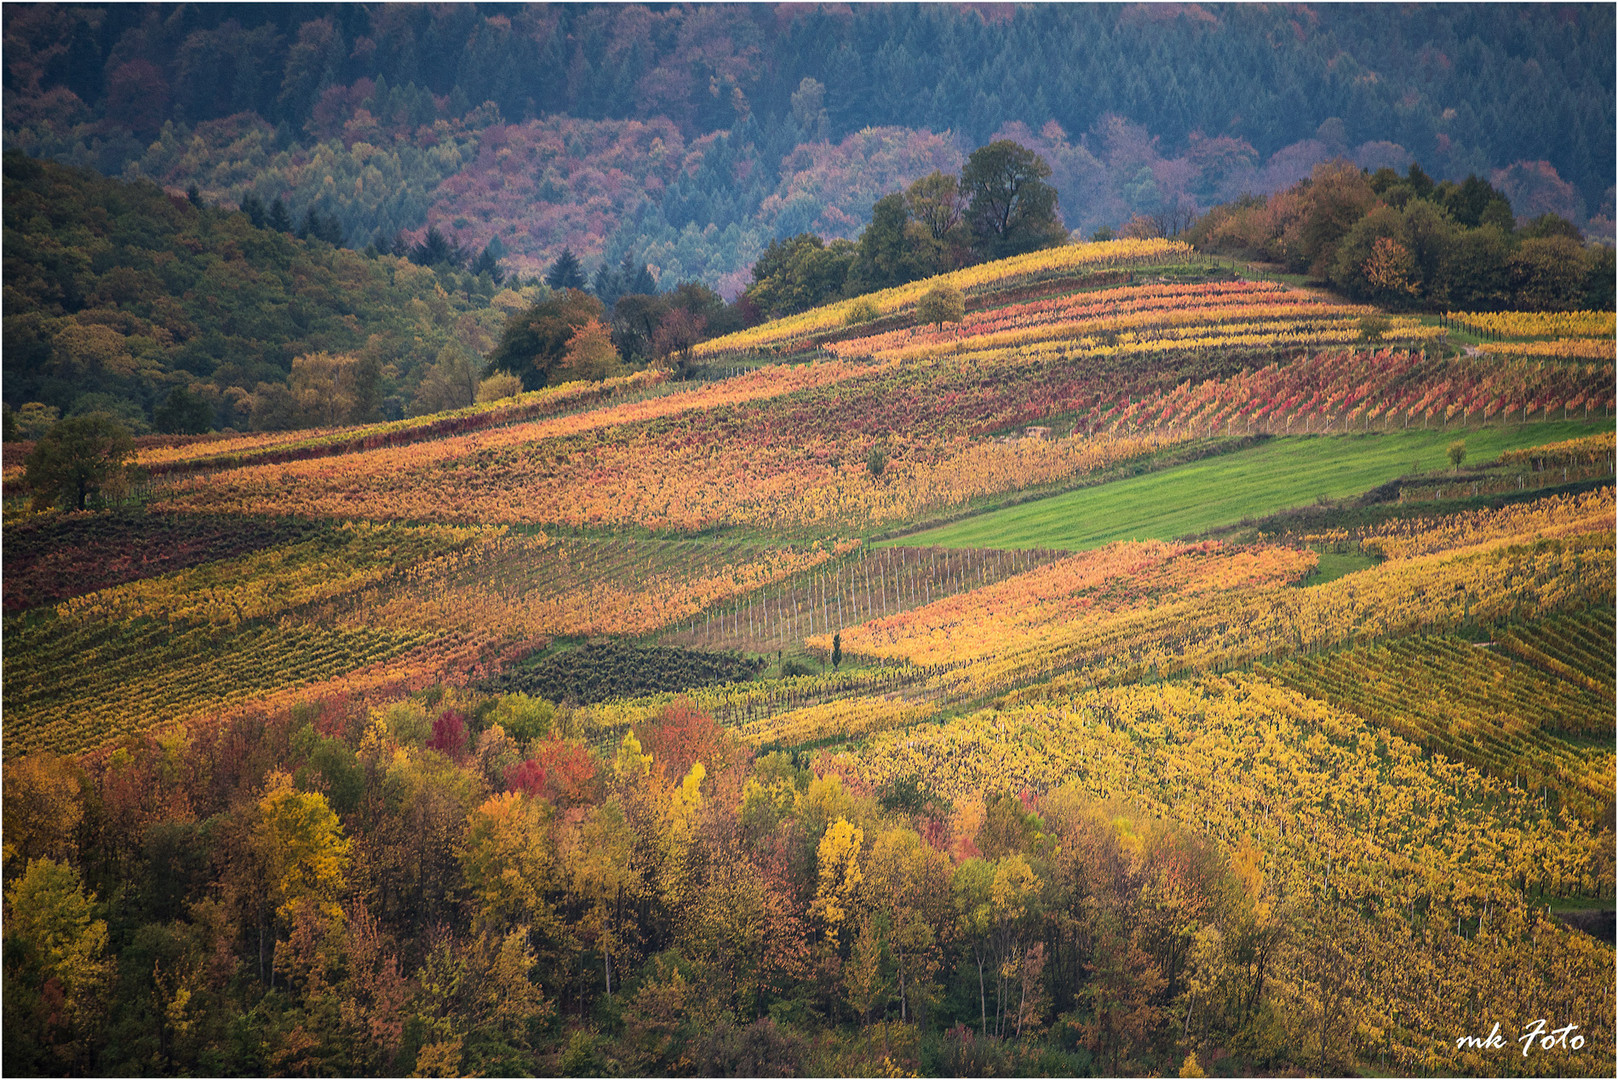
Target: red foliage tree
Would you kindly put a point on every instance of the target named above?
(680, 735)
(527, 777)
(449, 735)
(568, 769)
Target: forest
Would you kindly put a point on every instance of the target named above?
(689, 137)
(179, 317)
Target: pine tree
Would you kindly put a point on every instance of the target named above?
(565, 272)
(278, 218)
(253, 207)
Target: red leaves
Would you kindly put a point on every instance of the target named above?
(449, 735)
(561, 771)
(527, 777)
(680, 735)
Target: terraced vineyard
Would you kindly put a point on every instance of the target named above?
(1456, 698)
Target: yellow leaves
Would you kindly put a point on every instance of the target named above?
(1559, 324)
(840, 876)
(302, 846)
(1245, 866)
(1557, 349)
(631, 766)
(1001, 273)
(507, 862)
(1555, 516)
(687, 797)
(1015, 886)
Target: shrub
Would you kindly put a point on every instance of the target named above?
(501, 384)
(861, 311)
(877, 461)
(941, 304)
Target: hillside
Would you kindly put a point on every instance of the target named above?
(893, 695)
(391, 119)
(118, 294)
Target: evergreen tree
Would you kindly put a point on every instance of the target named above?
(489, 263)
(565, 272)
(278, 218)
(253, 207)
(607, 284)
(436, 249)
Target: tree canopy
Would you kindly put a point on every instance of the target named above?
(1011, 208)
(79, 457)
(534, 342)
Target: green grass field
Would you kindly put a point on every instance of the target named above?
(1274, 476)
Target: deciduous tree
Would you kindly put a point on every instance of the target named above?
(1012, 209)
(79, 457)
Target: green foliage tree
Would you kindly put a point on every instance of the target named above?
(887, 255)
(1457, 453)
(1547, 273)
(79, 457)
(1407, 242)
(56, 972)
(941, 304)
(798, 273)
(1336, 197)
(1012, 209)
(451, 383)
(534, 342)
(938, 210)
(183, 413)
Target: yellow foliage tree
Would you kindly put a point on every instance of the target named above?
(507, 862)
(302, 846)
(840, 875)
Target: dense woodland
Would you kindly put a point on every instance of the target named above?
(689, 137)
(455, 885)
(118, 295)
(1407, 242)
(180, 317)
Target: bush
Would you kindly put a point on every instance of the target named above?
(877, 461)
(860, 311)
(500, 385)
(941, 304)
(523, 717)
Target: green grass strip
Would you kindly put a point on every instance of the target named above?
(1271, 477)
